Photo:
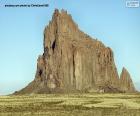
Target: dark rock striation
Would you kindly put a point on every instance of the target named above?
(74, 62)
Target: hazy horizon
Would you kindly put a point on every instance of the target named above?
(21, 37)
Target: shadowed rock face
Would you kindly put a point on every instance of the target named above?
(73, 61)
(126, 83)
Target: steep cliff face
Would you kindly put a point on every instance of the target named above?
(126, 83)
(73, 61)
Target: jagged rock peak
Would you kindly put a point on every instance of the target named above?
(125, 74)
(62, 15)
(126, 82)
(124, 70)
(57, 13)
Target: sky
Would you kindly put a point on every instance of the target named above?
(21, 35)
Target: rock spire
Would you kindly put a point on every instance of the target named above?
(72, 61)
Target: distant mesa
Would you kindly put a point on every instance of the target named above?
(74, 62)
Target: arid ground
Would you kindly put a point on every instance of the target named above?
(71, 105)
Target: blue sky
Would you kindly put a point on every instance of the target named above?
(21, 35)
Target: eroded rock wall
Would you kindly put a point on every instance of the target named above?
(73, 61)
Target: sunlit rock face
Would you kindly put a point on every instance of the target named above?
(73, 61)
(126, 83)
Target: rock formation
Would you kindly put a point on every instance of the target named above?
(73, 61)
(126, 83)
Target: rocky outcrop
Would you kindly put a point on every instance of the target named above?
(126, 83)
(73, 61)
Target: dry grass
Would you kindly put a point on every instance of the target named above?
(71, 105)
